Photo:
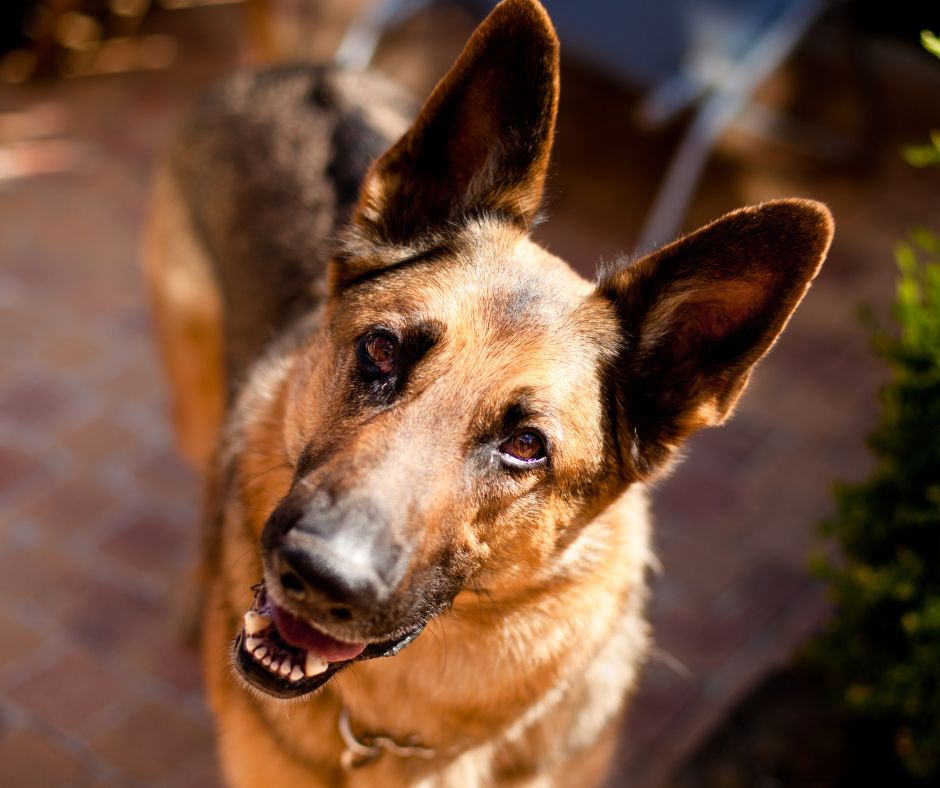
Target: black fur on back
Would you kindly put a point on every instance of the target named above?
(269, 167)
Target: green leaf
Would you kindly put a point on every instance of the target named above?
(931, 42)
(926, 240)
(921, 155)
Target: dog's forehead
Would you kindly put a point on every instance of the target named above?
(491, 284)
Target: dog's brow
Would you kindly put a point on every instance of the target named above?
(426, 255)
(525, 405)
(424, 332)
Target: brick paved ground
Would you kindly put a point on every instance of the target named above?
(97, 514)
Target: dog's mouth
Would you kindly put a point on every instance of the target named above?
(285, 656)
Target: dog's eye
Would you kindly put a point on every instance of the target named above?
(378, 352)
(524, 448)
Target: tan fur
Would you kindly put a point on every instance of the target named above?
(188, 312)
(530, 583)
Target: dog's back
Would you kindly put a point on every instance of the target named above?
(246, 205)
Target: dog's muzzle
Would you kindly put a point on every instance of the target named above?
(331, 570)
(269, 662)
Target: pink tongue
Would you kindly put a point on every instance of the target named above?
(300, 634)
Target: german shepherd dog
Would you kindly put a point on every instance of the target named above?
(427, 440)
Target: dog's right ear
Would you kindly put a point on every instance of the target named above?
(697, 314)
(481, 142)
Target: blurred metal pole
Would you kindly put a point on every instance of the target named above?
(718, 111)
(361, 40)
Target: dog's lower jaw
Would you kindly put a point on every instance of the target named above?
(268, 662)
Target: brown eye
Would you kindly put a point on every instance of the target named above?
(379, 352)
(526, 447)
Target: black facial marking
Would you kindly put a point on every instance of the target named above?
(520, 413)
(417, 340)
(429, 255)
(314, 454)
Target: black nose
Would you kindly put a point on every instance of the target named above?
(334, 556)
(313, 571)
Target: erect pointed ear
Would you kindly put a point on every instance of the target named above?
(481, 142)
(699, 313)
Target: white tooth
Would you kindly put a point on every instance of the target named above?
(260, 652)
(315, 665)
(274, 666)
(251, 644)
(284, 670)
(266, 661)
(296, 674)
(255, 622)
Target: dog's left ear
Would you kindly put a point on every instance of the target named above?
(697, 315)
(481, 142)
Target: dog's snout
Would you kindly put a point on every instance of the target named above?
(312, 572)
(333, 558)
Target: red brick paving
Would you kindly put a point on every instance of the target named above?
(69, 692)
(20, 640)
(70, 505)
(29, 759)
(96, 511)
(96, 514)
(130, 743)
(18, 466)
(146, 544)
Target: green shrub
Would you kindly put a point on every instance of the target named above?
(926, 155)
(883, 646)
(882, 649)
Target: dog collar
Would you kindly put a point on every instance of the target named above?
(362, 750)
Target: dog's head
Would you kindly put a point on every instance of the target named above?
(469, 403)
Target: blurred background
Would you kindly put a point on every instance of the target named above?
(672, 113)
